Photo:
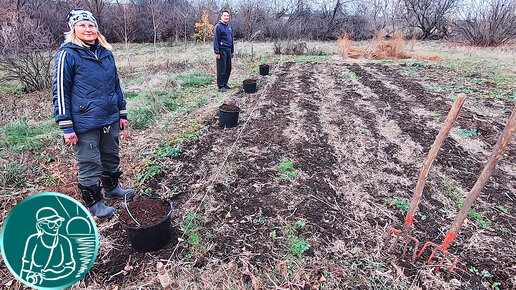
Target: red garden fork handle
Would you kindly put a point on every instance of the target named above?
(432, 154)
(489, 167)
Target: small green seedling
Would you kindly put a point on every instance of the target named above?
(169, 151)
(467, 133)
(150, 171)
(398, 203)
(261, 219)
(286, 168)
(479, 219)
(191, 230)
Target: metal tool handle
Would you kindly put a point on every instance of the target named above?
(434, 150)
(496, 155)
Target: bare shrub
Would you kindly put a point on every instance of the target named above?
(32, 69)
(491, 23)
(430, 16)
(25, 51)
(291, 48)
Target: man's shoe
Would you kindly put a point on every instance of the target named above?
(223, 90)
(228, 87)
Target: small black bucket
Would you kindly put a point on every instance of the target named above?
(249, 86)
(264, 69)
(151, 238)
(228, 119)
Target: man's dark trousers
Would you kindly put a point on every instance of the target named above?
(223, 67)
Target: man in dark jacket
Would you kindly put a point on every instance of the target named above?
(224, 50)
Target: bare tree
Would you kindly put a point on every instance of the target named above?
(430, 16)
(250, 18)
(490, 23)
(25, 50)
(97, 7)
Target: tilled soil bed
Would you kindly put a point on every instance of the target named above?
(323, 163)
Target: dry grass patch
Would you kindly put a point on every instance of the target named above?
(381, 48)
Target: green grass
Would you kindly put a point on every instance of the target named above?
(21, 136)
(307, 58)
(13, 174)
(481, 67)
(503, 209)
(141, 117)
(172, 104)
(131, 95)
(194, 78)
(48, 180)
(13, 87)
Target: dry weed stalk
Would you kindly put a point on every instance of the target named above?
(381, 48)
(347, 50)
(388, 49)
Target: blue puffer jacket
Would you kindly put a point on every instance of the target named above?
(87, 92)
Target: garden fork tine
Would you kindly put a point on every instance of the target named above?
(418, 192)
(489, 167)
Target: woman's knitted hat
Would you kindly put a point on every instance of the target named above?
(79, 14)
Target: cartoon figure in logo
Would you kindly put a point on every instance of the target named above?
(48, 255)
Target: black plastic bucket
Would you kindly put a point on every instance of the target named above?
(151, 238)
(264, 69)
(228, 119)
(249, 86)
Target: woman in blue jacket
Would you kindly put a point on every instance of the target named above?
(90, 109)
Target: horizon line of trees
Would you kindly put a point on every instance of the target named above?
(477, 22)
(31, 30)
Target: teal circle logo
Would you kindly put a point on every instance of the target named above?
(49, 241)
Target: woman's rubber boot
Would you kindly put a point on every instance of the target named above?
(111, 188)
(93, 199)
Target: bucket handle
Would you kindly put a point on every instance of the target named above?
(129, 212)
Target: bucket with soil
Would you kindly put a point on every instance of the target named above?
(228, 115)
(250, 86)
(264, 69)
(147, 222)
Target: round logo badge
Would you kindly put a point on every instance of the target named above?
(49, 241)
